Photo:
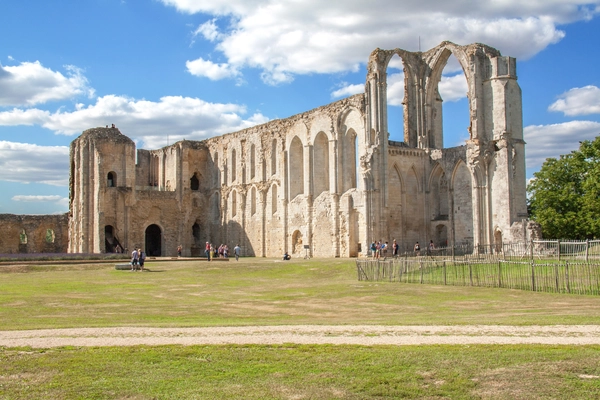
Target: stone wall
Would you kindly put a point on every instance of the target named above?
(325, 182)
(33, 233)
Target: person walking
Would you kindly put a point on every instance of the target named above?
(141, 259)
(236, 251)
(134, 259)
(207, 251)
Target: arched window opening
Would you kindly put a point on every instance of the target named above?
(274, 157)
(111, 180)
(233, 165)
(252, 161)
(454, 122)
(253, 201)
(233, 203)
(395, 100)
(348, 162)
(194, 182)
(321, 164)
(215, 207)
(296, 169)
(50, 236)
(297, 245)
(23, 237)
(196, 232)
(274, 199)
(153, 241)
(217, 174)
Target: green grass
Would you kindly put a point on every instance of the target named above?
(271, 292)
(261, 292)
(302, 372)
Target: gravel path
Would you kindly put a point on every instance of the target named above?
(306, 334)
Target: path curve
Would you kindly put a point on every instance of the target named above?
(306, 334)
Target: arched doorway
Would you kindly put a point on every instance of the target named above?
(153, 240)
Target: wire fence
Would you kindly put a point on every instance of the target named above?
(580, 250)
(554, 277)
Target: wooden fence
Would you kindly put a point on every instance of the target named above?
(554, 277)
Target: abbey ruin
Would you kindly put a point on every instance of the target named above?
(326, 182)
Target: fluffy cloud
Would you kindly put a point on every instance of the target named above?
(578, 101)
(212, 71)
(550, 141)
(31, 83)
(30, 163)
(285, 38)
(348, 90)
(151, 123)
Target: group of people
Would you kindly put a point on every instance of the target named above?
(221, 252)
(380, 249)
(138, 257)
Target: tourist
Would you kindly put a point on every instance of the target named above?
(207, 251)
(141, 258)
(236, 251)
(134, 259)
(417, 249)
(179, 248)
(373, 249)
(431, 247)
(225, 251)
(286, 256)
(395, 248)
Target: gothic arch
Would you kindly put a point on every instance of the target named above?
(296, 167)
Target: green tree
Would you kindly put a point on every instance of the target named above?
(564, 194)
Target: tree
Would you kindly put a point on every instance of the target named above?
(564, 194)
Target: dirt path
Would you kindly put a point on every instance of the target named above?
(306, 334)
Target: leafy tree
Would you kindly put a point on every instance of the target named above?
(564, 194)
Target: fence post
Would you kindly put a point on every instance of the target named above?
(444, 267)
(532, 277)
(531, 249)
(558, 247)
(499, 273)
(556, 274)
(421, 268)
(471, 274)
(567, 277)
(587, 249)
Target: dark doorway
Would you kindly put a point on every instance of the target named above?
(194, 183)
(153, 241)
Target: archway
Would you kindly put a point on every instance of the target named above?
(153, 240)
(297, 245)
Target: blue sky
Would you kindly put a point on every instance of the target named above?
(164, 70)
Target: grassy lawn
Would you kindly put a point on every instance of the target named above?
(271, 292)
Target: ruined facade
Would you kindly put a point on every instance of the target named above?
(326, 182)
(34, 233)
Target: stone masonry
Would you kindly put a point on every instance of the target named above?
(326, 182)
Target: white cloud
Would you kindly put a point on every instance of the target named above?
(31, 83)
(208, 30)
(212, 71)
(578, 101)
(453, 88)
(30, 163)
(287, 37)
(39, 198)
(144, 121)
(395, 89)
(545, 141)
(348, 90)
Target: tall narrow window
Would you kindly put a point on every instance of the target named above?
(233, 165)
(296, 170)
(274, 157)
(252, 161)
(23, 237)
(233, 203)
(111, 180)
(321, 164)
(273, 199)
(253, 201)
(194, 182)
